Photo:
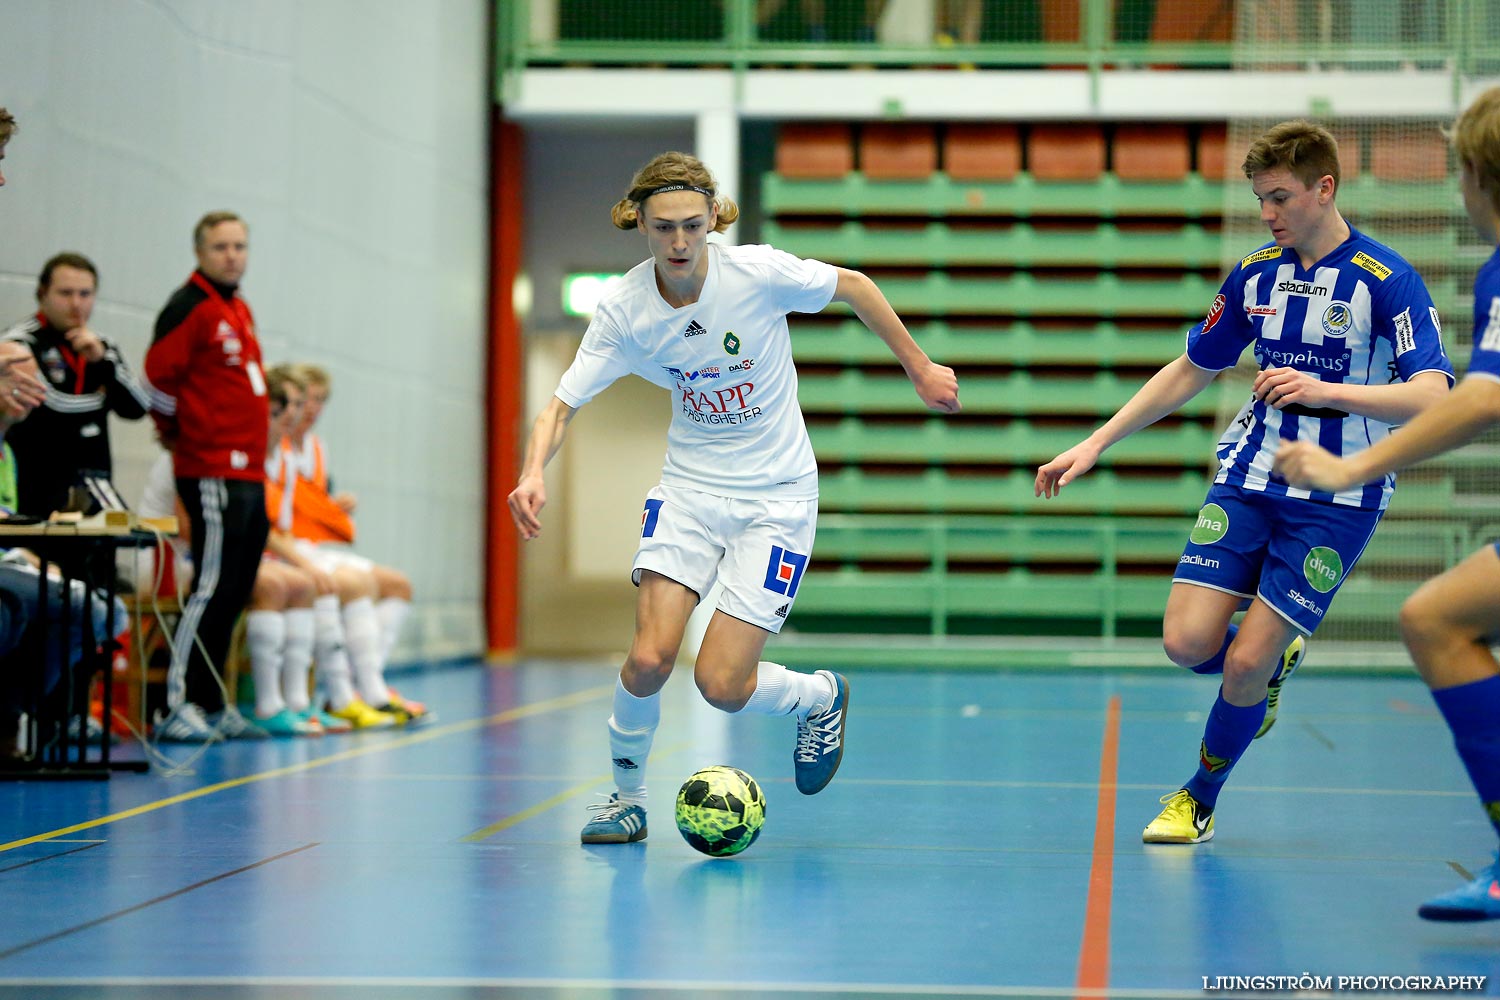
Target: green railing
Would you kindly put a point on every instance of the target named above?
(1458, 36)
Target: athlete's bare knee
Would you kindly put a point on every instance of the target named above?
(720, 689)
(1247, 670)
(1423, 627)
(647, 668)
(392, 583)
(352, 585)
(300, 590)
(1188, 647)
(269, 593)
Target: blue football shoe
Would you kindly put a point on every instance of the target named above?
(617, 823)
(1479, 900)
(820, 740)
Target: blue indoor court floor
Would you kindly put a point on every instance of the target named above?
(982, 839)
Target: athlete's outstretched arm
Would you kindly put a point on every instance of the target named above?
(1167, 390)
(936, 384)
(530, 495)
(1455, 419)
(1390, 404)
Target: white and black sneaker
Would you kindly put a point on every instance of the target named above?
(617, 823)
(183, 724)
(820, 740)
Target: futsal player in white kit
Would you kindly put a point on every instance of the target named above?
(738, 497)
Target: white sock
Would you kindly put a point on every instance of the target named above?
(333, 661)
(392, 612)
(362, 640)
(265, 635)
(631, 728)
(779, 691)
(296, 658)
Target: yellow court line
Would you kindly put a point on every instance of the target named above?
(420, 736)
(556, 800)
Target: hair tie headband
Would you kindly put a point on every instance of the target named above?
(673, 187)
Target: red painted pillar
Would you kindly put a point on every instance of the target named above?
(505, 389)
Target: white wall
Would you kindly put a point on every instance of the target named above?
(351, 135)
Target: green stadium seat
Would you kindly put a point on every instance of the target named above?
(1017, 394)
(1022, 343)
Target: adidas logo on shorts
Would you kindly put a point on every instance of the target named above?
(695, 329)
(781, 611)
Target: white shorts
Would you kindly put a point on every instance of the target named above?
(330, 557)
(757, 549)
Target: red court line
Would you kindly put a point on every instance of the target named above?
(1093, 954)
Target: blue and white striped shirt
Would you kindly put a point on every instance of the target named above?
(1361, 315)
(1485, 361)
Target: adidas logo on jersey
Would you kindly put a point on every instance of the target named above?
(781, 611)
(695, 329)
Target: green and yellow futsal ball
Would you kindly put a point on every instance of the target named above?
(720, 810)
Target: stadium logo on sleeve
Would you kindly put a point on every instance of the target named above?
(784, 572)
(1214, 312)
(1372, 265)
(1269, 253)
(1338, 318)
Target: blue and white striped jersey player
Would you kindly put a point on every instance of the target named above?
(1452, 620)
(1348, 345)
(738, 497)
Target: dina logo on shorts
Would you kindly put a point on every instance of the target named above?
(1213, 524)
(784, 572)
(1323, 568)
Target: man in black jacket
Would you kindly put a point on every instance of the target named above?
(65, 442)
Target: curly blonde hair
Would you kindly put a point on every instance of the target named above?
(1476, 140)
(667, 169)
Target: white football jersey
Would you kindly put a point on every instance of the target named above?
(737, 428)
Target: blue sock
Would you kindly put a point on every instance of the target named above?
(1473, 713)
(1215, 664)
(1228, 732)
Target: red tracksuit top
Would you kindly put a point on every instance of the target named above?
(207, 386)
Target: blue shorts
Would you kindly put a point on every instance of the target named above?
(1292, 554)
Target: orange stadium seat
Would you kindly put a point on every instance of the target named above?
(1065, 152)
(904, 152)
(1192, 21)
(1351, 158)
(1151, 152)
(1213, 156)
(812, 151)
(982, 152)
(1421, 157)
(1060, 21)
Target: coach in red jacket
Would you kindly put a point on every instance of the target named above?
(208, 397)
